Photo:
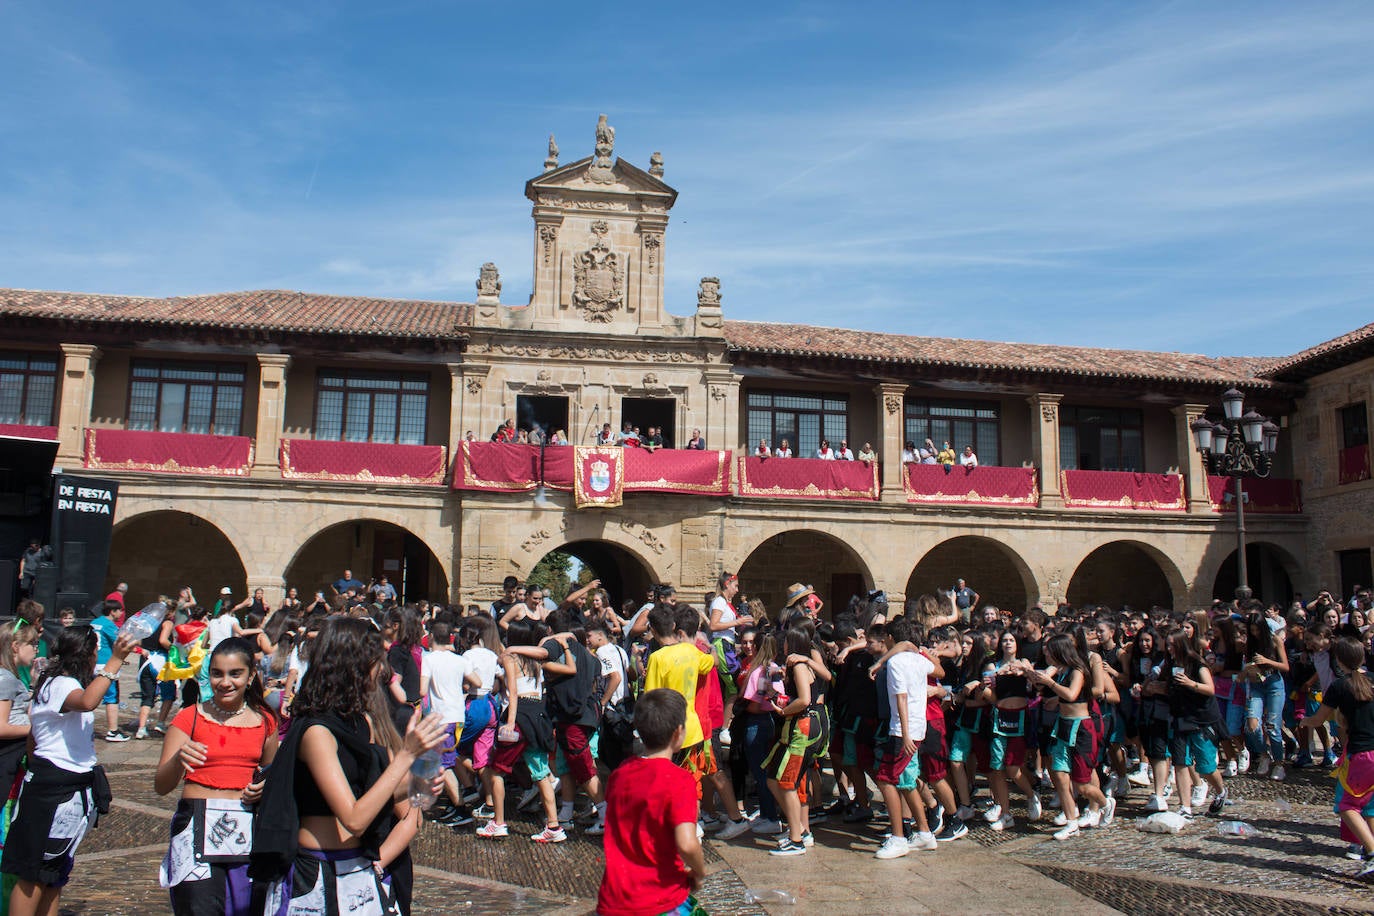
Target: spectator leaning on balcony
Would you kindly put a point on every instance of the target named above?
(968, 459)
(844, 453)
(763, 451)
(825, 452)
(696, 442)
(606, 436)
(505, 433)
(909, 454)
(866, 453)
(947, 457)
(784, 450)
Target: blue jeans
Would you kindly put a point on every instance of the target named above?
(758, 741)
(1264, 704)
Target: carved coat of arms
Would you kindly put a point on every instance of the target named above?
(598, 282)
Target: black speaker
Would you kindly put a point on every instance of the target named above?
(9, 586)
(45, 588)
(73, 577)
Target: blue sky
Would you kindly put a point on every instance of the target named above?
(1195, 177)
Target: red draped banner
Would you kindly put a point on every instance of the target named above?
(1265, 494)
(168, 453)
(600, 475)
(362, 462)
(667, 470)
(504, 467)
(1354, 464)
(1123, 490)
(807, 478)
(983, 485)
(29, 432)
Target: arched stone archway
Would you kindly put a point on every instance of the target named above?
(824, 562)
(162, 551)
(1126, 573)
(1270, 569)
(371, 549)
(992, 569)
(623, 574)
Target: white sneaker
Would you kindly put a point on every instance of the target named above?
(1034, 809)
(993, 814)
(1090, 819)
(765, 827)
(1262, 768)
(732, 829)
(894, 847)
(1139, 777)
(1199, 795)
(1278, 773)
(1156, 803)
(1005, 822)
(141, 734)
(1068, 830)
(922, 841)
(1232, 768)
(1243, 764)
(1060, 819)
(1108, 812)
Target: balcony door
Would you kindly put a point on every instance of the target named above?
(646, 412)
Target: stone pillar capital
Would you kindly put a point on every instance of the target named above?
(74, 408)
(88, 352)
(278, 361)
(1189, 461)
(1045, 445)
(891, 410)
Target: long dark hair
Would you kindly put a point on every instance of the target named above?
(253, 696)
(341, 675)
(1349, 654)
(1259, 639)
(978, 656)
(1061, 649)
(71, 657)
(1184, 653)
(526, 632)
(409, 629)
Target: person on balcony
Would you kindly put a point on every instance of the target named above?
(968, 459)
(653, 439)
(909, 454)
(845, 453)
(763, 451)
(606, 436)
(825, 452)
(505, 433)
(929, 453)
(697, 441)
(559, 437)
(784, 450)
(947, 457)
(867, 454)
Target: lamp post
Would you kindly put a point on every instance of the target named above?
(1241, 445)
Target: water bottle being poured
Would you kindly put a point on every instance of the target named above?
(145, 623)
(423, 772)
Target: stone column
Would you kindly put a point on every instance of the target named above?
(1045, 446)
(271, 417)
(74, 411)
(466, 382)
(891, 427)
(1189, 461)
(722, 412)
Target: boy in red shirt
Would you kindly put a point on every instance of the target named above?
(653, 857)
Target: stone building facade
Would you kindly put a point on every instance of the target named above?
(381, 394)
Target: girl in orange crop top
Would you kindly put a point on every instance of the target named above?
(218, 746)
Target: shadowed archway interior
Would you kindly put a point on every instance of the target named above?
(622, 574)
(990, 569)
(371, 549)
(1117, 575)
(812, 558)
(159, 553)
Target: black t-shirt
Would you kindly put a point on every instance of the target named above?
(856, 694)
(1033, 652)
(1358, 715)
(402, 662)
(569, 696)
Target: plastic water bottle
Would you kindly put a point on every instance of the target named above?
(422, 774)
(769, 896)
(1236, 828)
(145, 623)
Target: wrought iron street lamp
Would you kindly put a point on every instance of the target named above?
(1242, 445)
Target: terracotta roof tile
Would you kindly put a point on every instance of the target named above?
(274, 310)
(1305, 364)
(868, 346)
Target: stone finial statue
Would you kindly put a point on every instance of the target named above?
(489, 285)
(602, 162)
(551, 162)
(708, 293)
(709, 318)
(656, 165)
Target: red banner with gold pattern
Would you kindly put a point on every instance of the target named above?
(510, 467)
(667, 470)
(29, 432)
(168, 453)
(808, 478)
(1123, 490)
(1277, 495)
(598, 476)
(362, 462)
(984, 485)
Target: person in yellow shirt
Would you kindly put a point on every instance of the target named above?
(678, 665)
(947, 457)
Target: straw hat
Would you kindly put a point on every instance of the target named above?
(796, 592)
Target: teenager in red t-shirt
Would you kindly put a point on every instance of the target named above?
(653, 857)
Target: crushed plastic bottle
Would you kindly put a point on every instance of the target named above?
(423, 772)
(145, 623)
(770, 896)
(1236, 828)
(1284, 808)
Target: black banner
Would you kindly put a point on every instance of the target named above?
(82, 523)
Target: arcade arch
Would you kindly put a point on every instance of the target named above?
(814, 558)
(623, 574)
(161, 551)
(1127, 573)
(372, 549)
(1270, 569)
(992, 569)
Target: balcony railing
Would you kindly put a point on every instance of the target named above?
(1123, 490)
(1268, 495)
(24, 431)
(508, 467)
(985, 486)
(363, 462)
(168, 453)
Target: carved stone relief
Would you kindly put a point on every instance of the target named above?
(598, 278)
(893, 402)
(474, 385)
(708, 293)
(653, 241)
(548, 235)
(601, 170)
(1048, 412)
(488, 284)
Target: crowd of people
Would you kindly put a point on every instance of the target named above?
(309, 739)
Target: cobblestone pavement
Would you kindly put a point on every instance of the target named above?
(1294, 865)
